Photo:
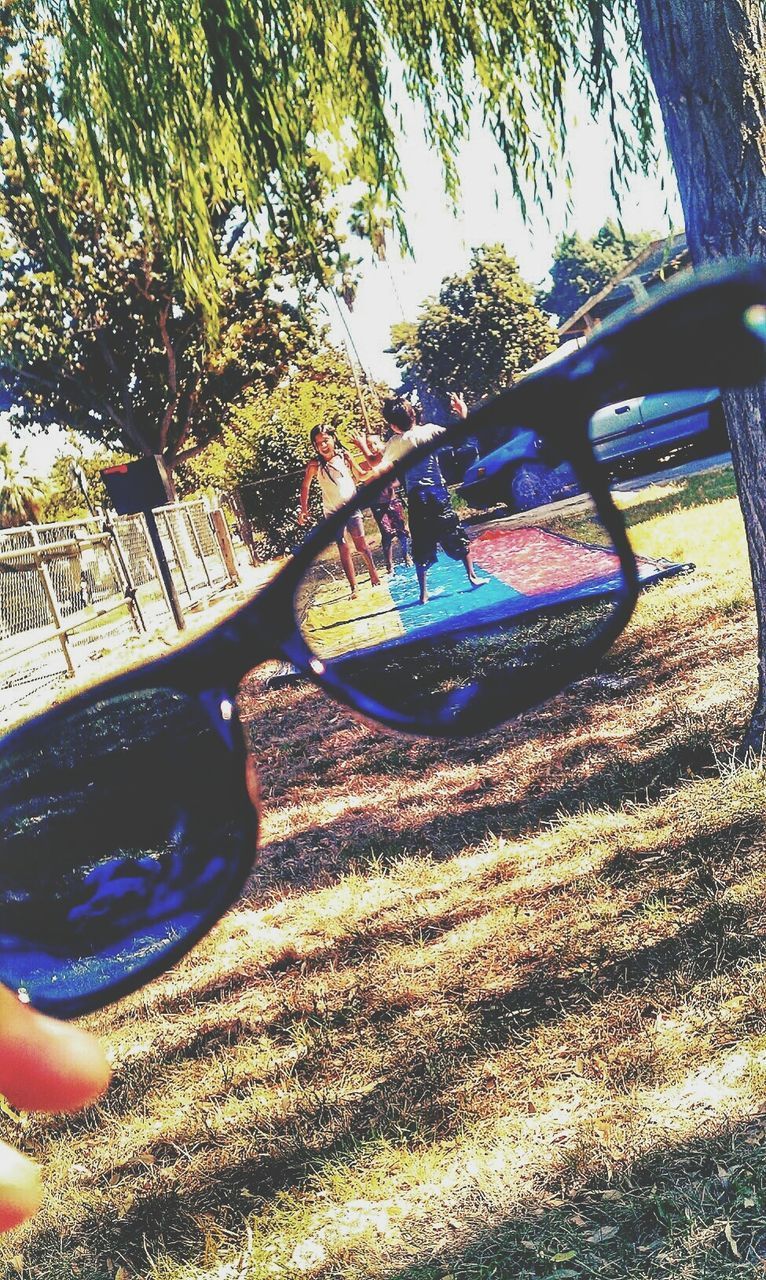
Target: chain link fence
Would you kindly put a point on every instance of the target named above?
(132, 537)
(74, 592)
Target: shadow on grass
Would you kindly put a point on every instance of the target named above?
(686, 869)
(691, 1209)
(649, 1204)
(304, 745)
(415, 1081)
(471, 813)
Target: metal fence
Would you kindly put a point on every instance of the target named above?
(132, 538)
(240, 529)
(72, 593)
(191, 549)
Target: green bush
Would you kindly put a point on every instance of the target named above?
(265, 449)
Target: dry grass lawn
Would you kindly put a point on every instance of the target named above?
(489, 1009)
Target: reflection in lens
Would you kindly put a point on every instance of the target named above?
(546, 579)
(125, 829)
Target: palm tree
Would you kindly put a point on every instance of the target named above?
(21, 495)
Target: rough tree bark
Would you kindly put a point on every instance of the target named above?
(707, 59)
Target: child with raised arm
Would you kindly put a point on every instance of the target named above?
(433, 522)
(334, 471)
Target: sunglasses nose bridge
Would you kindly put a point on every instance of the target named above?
(215, 664)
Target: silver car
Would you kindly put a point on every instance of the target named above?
(626, 436)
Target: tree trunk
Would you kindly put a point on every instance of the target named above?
(707, 59)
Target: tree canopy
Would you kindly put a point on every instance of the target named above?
(477, 336)
(21, 494)
(63, 498)
(266, 446)
(202, 104)
(117, 350)
(582, 267)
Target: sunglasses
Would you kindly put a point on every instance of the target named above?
(128, 820)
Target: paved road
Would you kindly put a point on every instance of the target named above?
(673, 473)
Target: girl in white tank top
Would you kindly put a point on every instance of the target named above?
(336, 482)
(334, 471)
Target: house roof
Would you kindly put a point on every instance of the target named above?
(652, 266)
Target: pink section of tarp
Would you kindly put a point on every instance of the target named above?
(535, 562)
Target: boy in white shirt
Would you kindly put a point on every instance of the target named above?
(433, 522)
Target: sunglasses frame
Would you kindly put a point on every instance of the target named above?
(557, 403)
(208, 669)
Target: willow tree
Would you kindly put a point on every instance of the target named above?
(197, 100)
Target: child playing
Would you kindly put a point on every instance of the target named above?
(433, 522)
(387, 507)
(334, 470)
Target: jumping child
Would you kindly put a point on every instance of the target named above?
(334, 471)
(433, 522)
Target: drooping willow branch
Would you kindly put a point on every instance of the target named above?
(196, 103)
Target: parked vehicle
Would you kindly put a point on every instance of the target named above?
(627, 436)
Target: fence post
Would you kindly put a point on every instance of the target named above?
(50, 594)
(122, 571)
(223, 537)
(166, 573)
(234, 498)
(151, 552)
(138, 486)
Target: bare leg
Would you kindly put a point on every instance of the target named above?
(348, 565)
(361, 544)
(388, 554)
(420, 569)
(386, 543)
(474, 580)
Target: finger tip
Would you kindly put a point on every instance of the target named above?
(46, 1065)
(20, 1189)
(83, 1070)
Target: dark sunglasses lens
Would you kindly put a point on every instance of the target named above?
(512, 573)
(126, 831)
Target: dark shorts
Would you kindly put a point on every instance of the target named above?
(354, 525)
(433, 524)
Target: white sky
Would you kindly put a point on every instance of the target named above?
(442, 242)
(488, 214)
